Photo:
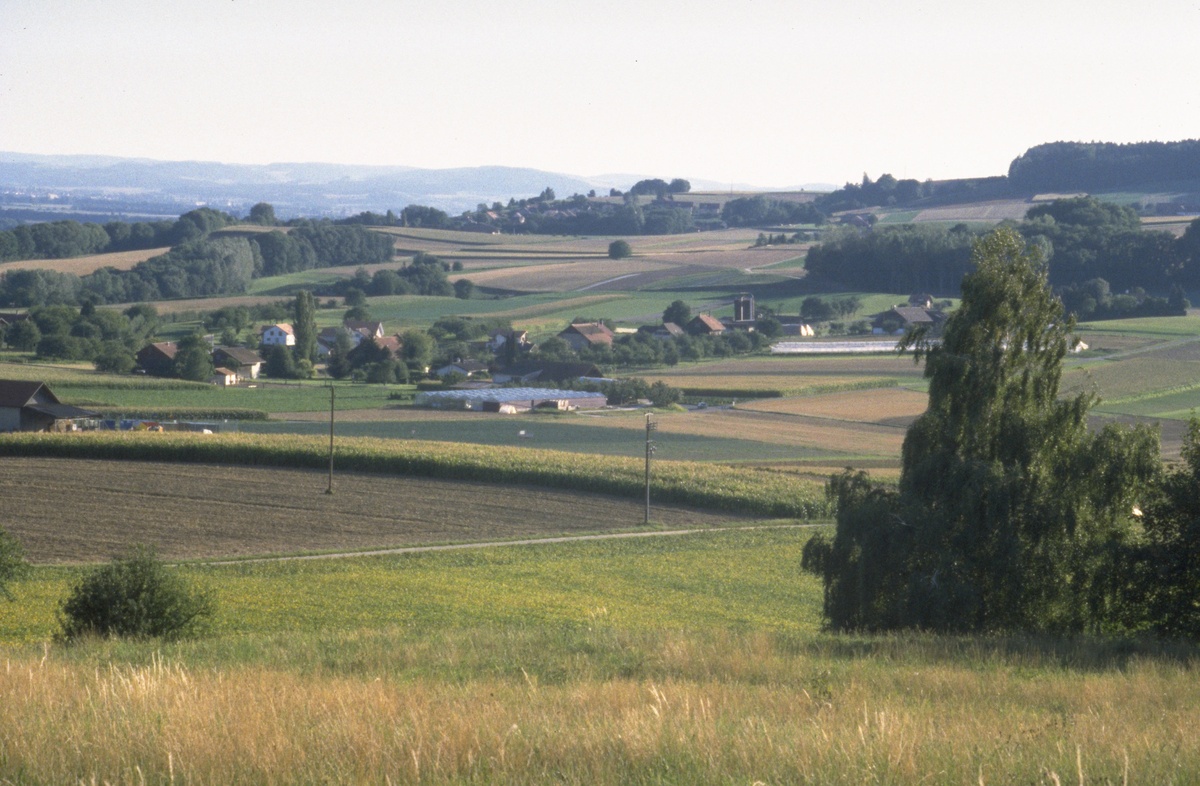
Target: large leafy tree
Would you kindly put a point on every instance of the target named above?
(193, 360)
(1010, 514)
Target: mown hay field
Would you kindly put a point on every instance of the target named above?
(82, 266)
(892, 405)
(72, 510)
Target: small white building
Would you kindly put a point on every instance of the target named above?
(278, 334)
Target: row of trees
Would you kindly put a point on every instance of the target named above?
(1011, 514)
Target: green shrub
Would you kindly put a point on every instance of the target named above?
(134, 596)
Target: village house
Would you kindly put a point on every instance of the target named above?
(587, 334)
(280, 334)
(31, 406)
(364, 329)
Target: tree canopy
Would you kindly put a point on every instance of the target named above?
(1010, 514)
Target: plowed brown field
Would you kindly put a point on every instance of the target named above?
(67, 510)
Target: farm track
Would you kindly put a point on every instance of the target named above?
(659, 533)
(74, 510)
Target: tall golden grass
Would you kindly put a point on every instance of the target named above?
(721, 708)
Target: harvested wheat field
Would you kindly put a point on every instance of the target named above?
(82, 266)
(69, 510)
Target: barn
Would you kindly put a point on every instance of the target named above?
(510, 399)
(31, 406)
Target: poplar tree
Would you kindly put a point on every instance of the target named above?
(305, 326)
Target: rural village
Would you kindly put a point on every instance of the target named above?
(599, 394)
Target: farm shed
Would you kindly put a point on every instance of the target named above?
(31, 406)
(500, 399)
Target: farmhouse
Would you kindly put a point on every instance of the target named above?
(587, 334)
(158, 358)
(278, 334)
(246, 362)
(899, 319)
(510, 400)
(31, 406)
(705, 325)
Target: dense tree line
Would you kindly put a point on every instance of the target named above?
(1083, 239)
(1094, 166)
(1011, 514)
(642, 350)
(63, 239)
(1089, 239)
(905, 258)
(425, 275)
(202, 267)
(106, 337)
(760, 211)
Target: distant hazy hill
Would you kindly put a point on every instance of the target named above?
(293, 188)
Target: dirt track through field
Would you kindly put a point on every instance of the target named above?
(67, 510)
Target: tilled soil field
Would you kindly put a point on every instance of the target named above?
(69, 510)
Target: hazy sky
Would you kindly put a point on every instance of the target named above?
(766, 92)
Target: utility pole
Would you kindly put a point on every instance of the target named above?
(331, 399)
(651, 427)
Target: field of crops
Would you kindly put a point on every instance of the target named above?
(82, 266)
(71, 510)
(691, 483)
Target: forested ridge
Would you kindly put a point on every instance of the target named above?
(198, 264)
(1087, 243)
